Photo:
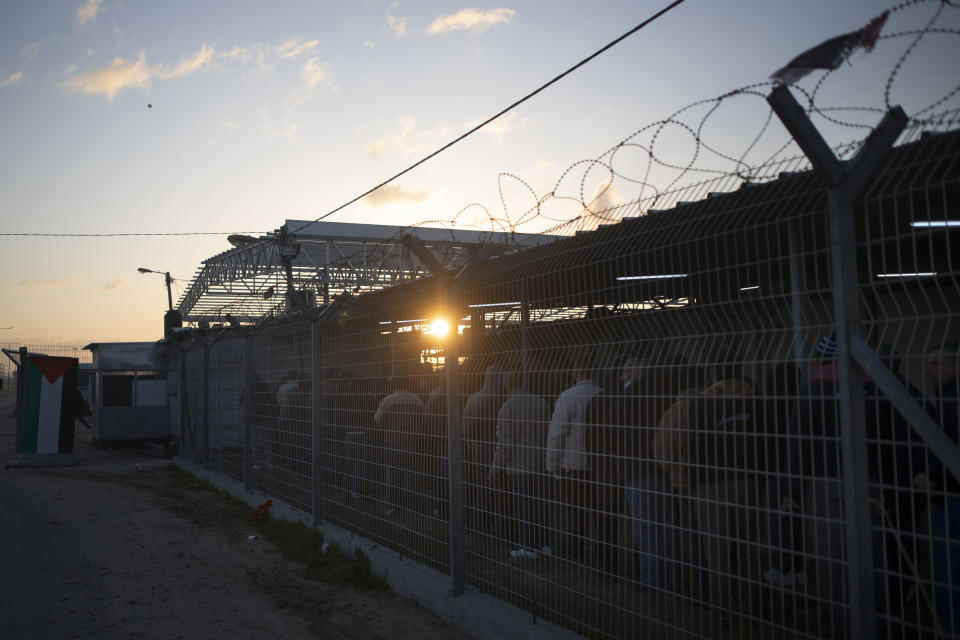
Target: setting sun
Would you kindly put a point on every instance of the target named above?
(438, 327)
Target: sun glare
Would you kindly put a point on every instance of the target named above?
(438, 327)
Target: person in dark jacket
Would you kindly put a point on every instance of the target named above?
(942, 371)
(399, 416)
(521, 435)
(479, 424)
(814, 488)
(612, 420)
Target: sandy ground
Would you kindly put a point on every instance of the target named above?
(114, 548)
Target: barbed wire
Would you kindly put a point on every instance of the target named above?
(767, 149)
(642, 172)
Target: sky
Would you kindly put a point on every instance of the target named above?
(234, 116)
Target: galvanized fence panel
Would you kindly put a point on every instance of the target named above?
(907, 246)
(282, 413)
(193, 403)
(226, 426)
(384, 424)
(637, 379)
(8, 370)
(654, 439)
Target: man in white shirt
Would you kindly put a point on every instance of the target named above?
(568, 461)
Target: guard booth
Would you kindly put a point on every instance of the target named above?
(128, 391)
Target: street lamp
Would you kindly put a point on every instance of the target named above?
(166, 275)
(171, 319)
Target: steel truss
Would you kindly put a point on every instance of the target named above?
(249, 282)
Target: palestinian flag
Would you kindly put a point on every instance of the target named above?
(48, 405)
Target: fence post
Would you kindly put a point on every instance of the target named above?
(449, 295)
(21, 400)
(248, 412)
(843, 181)
(316, 413)
(524, 339)
(454, 452)
(205, 420)
(186, 423)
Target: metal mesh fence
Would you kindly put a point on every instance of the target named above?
(649, 421)
(226, 419)
(725, 407)
(8, 369)
(193, 403)
(281, 414)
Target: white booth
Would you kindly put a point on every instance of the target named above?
(128, 392)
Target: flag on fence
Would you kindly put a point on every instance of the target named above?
(831, 53)
(48, 399)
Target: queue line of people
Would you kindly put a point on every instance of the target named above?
(705, 482)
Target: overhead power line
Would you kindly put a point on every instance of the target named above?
(410, 168)
(113, 235)
(507, 109)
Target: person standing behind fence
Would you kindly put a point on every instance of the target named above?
(435, 409)
(815, 486)
(668, 447)
(398, 416)
(942, 372)
(612, 420)
(521, 437)
(646, 394)
(566, 459)
(479, 439)
(726, 454)
(785, 567)
(286, 439)
(895, 455)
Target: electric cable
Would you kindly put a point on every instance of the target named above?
(111, 235)
(596, 53)
(502, 112)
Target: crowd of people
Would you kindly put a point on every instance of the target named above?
(704, 480)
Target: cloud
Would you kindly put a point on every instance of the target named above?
(267, 56)
(196, 62)
(368, 44)
(29, 52)
(389, 194)
(237, 53)
(47, 283)
(227, 124)
(502, 126)
(470, 20)
(393, 141)
(122, 74)
(112, 79)
(397, 26)
(88, 11)
(118, 283)
(290, 130)
(605, 197)
(408, 141)
(13, 78)
(314, 73)
(295, 47)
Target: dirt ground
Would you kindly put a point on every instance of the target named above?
(115, 547)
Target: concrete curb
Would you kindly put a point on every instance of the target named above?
(479, 615)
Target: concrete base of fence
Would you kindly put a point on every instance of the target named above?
(476, 614)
